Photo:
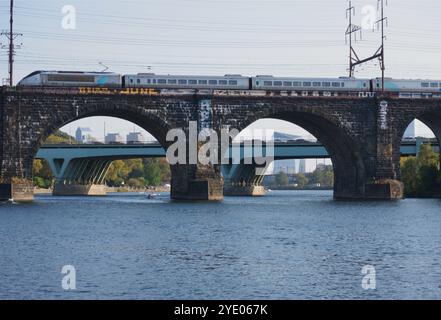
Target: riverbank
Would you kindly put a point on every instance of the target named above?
(288, 188)
(114, 190)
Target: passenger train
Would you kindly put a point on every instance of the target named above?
(228, 82)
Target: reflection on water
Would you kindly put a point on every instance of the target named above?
(287, 245)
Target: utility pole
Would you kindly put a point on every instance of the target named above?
(354, 60)
(382, 21)
(350, 32)
(11, 36)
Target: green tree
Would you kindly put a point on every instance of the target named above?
(282, 179)
(152, 172)
(302, 180)
(165, 170)
(118, 173)
(43, 176)
(409, 173)
(59, 137)
(135, 183)
(421, 175)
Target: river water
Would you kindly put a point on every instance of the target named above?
(287, 245)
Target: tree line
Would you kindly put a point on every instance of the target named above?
(322, 177)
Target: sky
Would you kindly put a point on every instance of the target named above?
(217, 37)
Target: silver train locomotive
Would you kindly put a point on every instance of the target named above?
(406, 88)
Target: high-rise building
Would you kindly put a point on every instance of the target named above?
(135, 137)
(286, 166)
(114, 138)
(302, 166)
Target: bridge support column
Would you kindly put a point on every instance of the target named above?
(192, 182)
(241, 180)
(244, 191)
(386, 184)
(82, 177)
(61, 189)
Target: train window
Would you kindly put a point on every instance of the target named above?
(297, 84)
(172, 81)
(307, 84)
(148, 81)
(162, 81)
(425, 84)
(268, 83)
(212, 82)
(287, 83)
(131, 80)
(326, 84)
(182, 81)
(434, 85)
(154, 81)
(232, 82)
(277, 83)
(138, 81)
(192, 82)
(336, 84)
(317, 84)
(223, 82)
(364, 84)
(342, 84)
(203, 81)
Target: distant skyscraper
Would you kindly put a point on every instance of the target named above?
(81, 136)
(411, 131)
(113, 138)
(286, 166)
(135, 137)
(302, 166)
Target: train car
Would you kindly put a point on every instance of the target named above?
(72, 79)
(407, 86)
(151, 80)
(310, 84)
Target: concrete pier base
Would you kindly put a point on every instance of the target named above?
(61, 189)
(246, 191)
(196, 183)
(18, 192)
(200, 190)
(385, 190)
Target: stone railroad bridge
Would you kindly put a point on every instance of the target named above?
(361, 134)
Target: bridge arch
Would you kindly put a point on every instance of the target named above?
(345, 152)
(87, 176)
(67, 111)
